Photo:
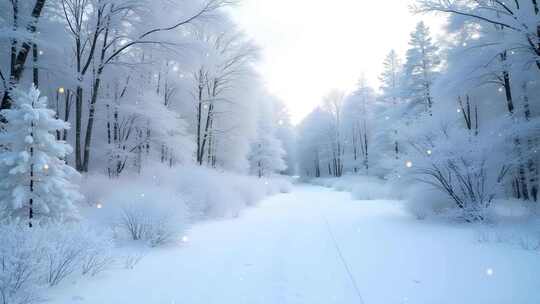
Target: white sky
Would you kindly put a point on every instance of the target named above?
(310, 47)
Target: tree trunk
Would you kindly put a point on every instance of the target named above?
(521, 171)
(66, 112)
(18, 61)
(35, 68)
(507, 85)
(78, 127)
(531, 147)
(199, 121)
(90, 125)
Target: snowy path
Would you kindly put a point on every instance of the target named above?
(281, 252)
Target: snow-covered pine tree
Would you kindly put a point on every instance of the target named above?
(391, 77)
(35, 182)
(391, 88)
(421, 68)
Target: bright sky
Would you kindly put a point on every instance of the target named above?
(310, 47)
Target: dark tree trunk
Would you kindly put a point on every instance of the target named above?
(507, 86)
(199, 119)
(78, 127)
(531, 163)
(91, 119)
(35, 67)
(19, 60)
(67, 110)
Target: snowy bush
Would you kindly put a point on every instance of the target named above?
(72, 248)
(279, 184)
(249, 191)
(424, 201)
(20, 264)
(131, 260)
(149, 224)
(362, 187)
(214, 194)
(157, 206)
(149, 208)
(456, 157)
(33, 258)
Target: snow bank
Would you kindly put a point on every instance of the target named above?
(424, 201)
(164, 200)
(46, 255)
(156, 208)
(362, 187)
(421, 200)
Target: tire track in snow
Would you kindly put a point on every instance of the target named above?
(345, 264)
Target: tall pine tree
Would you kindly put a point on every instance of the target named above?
(391, 77)
(35, 182)
(421, 68)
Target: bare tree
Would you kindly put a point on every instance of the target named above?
(212, 83)
(333, 103)
(508, 15)
(97, 45)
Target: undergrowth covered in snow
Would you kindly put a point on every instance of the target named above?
(181, 196)
(362, 187)
(155, 208)
(45, 255)
(421, 200)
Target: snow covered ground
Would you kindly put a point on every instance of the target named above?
(282, 252)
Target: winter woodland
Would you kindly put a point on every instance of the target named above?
(125, 124)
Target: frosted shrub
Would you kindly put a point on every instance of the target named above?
(97, 256)
(466, 182)
(147, 224)
(74, 247)
(31, 258)
(460, 163)
(211, 194)
(279, 184)
(63, 254)
(424, 201)
(131, 260)
(154, 215)
(372, 188)
(250, 191)
(20, 264)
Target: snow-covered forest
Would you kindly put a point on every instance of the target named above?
(457, 114)
(145, 156)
